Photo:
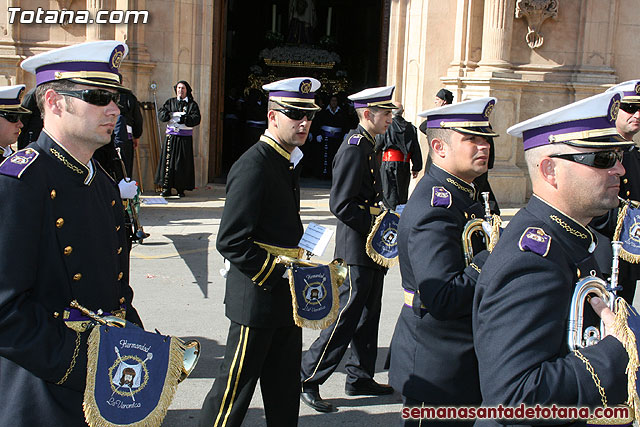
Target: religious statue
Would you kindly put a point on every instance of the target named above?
(302, 21)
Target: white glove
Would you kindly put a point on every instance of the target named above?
(128, 189)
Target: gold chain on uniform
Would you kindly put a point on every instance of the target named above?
(568, 227)
(468, 190)
(596, 380)
(66, 162)
(73, 359)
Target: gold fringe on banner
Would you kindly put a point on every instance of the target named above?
(333, 313)
(624, 333)
(379, 259)
(624, 254)
(91, 412)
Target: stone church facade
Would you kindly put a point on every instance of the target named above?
(533, 55)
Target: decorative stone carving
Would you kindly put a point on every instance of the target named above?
(64, 5)
(536, 12)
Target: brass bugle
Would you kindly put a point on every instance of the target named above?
(191, 348)
(577, 335)
(338, 263)
(139, 232)
(474, 226)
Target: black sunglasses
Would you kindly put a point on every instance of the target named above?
(10, 117)
(630, 108)
(99, 97)
(598, 159)
(296, 114)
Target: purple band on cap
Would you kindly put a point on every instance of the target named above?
(362, 103)
(47, 73)
(540, 136)
(12, 101)
(434, 121)
(287, 94)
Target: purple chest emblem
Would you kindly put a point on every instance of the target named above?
(535, 240)
(18, 162)
(440, 196)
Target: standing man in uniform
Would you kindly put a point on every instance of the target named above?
(11, 114)
(63, 237)
(523, 295)
(432, 360)
(355, 193)
(399, 146)
(261, 220)
(628, 125)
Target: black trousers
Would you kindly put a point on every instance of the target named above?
(357, 324)
(269, 354)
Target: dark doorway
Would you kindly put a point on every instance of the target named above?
(338, 42)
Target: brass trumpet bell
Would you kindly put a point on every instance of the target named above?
(190, 359)
(579, 336)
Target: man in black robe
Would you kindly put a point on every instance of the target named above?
(176, 167)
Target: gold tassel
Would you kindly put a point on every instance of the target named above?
(627, 337)
(496, 222)
(92, 413)
(379, 259)
(333, 313)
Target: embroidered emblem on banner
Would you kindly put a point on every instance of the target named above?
(132, 376)
(535, 240)
(628, 232)
(382, 241)
(315, 294)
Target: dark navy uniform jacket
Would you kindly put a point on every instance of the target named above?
(432, 357)
(355, 188)
(520, 315)
(62, 238)
(262, 207)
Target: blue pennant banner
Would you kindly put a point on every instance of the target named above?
(628, 232)
(315, 292)
(382, 242)
(132, 376)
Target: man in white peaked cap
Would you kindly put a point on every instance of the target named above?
(260, 221)
(63, 238)
(523, 295)
(11, 113)
(355, 192)
(432, 362)
(628, 125)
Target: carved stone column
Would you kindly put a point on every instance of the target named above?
(496, 37)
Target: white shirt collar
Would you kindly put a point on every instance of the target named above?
(295, 156)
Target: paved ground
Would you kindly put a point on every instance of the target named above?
(179, 291)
